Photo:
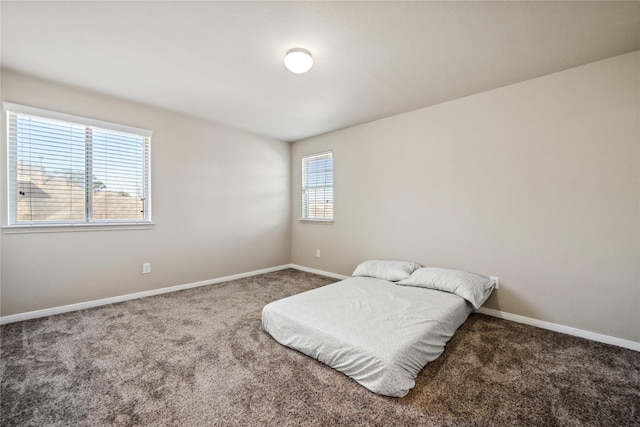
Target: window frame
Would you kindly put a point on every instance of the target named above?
(13, 225)
(303, 218)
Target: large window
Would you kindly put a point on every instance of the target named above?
(69, 170)
(317, 187)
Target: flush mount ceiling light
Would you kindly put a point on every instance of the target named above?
(298, 60)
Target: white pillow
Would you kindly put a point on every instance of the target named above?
(472, 287)
(386, 270)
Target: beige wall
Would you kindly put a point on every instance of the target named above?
(220, 204)
(537, 183)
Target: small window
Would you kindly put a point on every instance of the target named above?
(70, 170)
(317, 187)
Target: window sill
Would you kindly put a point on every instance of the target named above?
(64, 228)
(317, 220)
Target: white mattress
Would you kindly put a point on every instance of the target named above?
(376, 332)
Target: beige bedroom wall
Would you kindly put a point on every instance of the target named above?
(537, 183)
(220, 201)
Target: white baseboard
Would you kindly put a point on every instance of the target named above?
(320, 272)
(632, 345)
(95, 303)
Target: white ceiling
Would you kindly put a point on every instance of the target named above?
(222, 61)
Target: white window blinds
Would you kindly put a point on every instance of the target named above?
(67, 170)
(317, 186)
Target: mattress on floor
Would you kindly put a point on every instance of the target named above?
(377, 332)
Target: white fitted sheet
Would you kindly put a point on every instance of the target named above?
(376, 332)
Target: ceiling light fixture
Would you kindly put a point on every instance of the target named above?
(298, 60)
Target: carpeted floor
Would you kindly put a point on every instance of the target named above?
(200, 358)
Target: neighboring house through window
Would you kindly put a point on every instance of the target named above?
(317, 187)
(71, 170)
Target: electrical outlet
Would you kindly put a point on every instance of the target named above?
(495, 282)
(317, 253)
(146, 268)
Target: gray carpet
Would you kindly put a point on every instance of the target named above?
(200, 358)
